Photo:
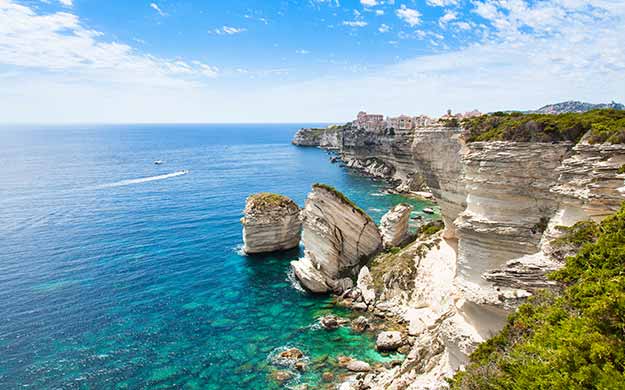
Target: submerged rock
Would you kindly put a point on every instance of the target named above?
(338, 237)
(331, 321)
(388, 341)
(281, 376)
(270, 223)
(327, 376)
(292, 354)
(394, 225)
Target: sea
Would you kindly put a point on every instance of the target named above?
(118, 273)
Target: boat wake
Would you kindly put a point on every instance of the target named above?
(144, 179)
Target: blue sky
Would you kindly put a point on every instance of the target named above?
(307, 60)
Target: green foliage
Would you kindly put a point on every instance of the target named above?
(430, 228)
(453, 122)
(394, 250)
(621, 170)
(264, 200)
(571, 339)
(605, 125)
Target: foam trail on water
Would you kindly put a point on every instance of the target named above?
(143, 179)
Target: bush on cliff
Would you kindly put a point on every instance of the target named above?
(573, 338)
(604, 126)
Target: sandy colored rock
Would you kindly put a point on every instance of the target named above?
(270, 223)
(358, 366)
(338, 236)
(388, 341)
(365, 286)
(394, 225)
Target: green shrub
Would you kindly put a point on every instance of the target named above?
(573, 338)
(605, 125)
(430, 228)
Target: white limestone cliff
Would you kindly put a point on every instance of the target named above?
(270, 223)
(394, 225)
(502, 204)
(338, 237)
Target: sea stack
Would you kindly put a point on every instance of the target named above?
(338, 238)
(270, 223)
(394, 225)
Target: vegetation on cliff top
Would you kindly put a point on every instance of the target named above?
(604, 125)
(266, 200)
(343, 198)
(568, 339)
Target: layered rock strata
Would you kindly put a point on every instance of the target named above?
(384, 154)
(394, 225)
(338, 238)
(270, 223)
(503, 203)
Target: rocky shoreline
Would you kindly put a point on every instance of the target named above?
(502, 203)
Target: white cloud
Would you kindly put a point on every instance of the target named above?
(355, 23)
(379, 12)
(384, 28)
(302, 51)
(227, 30)
(447, 17)
(409, 15)
(533, 53)
(441, 3)
(67, 3)
(463, 25)
(155, 7)
(369, 3)
(59, 43)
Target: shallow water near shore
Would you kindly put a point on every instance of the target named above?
(117, 273)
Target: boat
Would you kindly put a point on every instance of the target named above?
(428, 210)
(158, 162)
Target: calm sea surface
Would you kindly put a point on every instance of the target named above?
(116, 273)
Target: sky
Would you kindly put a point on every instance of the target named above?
(190, 61)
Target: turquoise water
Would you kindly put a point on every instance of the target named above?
(111, 281)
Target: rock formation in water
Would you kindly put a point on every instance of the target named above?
(394, 225)
(338, 238)
(502, 203)
(270, 223)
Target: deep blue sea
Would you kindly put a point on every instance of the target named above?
(115, 273)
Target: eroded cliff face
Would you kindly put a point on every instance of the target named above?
(270, 223)
(338, 237)
(502, 203)
(390, 148)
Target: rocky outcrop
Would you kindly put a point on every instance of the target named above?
(338, 238)
(388, 341)
(394, 225)
(329, 138)
(384, 154)
(503, 203)
(270, 223)
(365, 286)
